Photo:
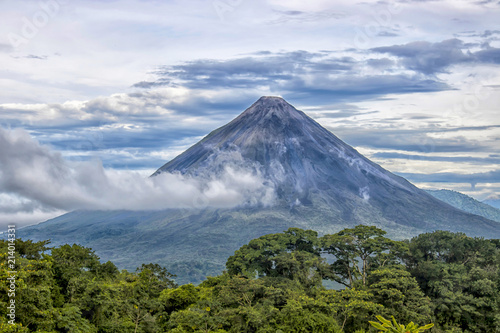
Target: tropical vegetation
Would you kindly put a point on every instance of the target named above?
(437, 282)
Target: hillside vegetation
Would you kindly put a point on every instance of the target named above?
(272, 284)
(466, 203)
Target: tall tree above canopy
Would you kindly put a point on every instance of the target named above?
(294, 254)
(357, 251)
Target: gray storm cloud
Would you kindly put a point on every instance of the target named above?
(36, 177)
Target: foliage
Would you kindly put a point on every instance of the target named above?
(466, 203)
(461, 275)
(295, 255)
(73, 262)
(31, 250)
(357, 251)
(353, 307)
(398, 291)
(388, 326)
(272, 284)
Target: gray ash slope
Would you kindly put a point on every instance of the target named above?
(310, 166)
(320, 183)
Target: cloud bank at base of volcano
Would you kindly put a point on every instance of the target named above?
(33, 178)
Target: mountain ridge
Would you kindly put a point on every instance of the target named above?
(466, 203)
(493, 202)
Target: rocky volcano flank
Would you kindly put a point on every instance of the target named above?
(294, 152)
(318, 182)
(310, 166)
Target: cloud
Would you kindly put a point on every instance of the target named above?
(5, 48)
(380, 63)
(170, 107)
(489, 55)
(431, 58)
(427, 57)
(244, 71)
(22, 219)
(489, 33)
(416, 140)
(131, 130)
(387, 34)
(32, 56)
(298, 74)
(448, 177)
(339, 114)
(295, 16)
(457, 159)
(37, 178)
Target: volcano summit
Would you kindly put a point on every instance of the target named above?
(304, 161)
(308, 178)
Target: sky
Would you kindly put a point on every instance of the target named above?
(96, 95)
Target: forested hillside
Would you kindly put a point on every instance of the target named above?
(272, 284)
(466, 203)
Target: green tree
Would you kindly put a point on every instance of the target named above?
(99, 300)
(5, 327)
(69, 319)
(155, 278)
(388, 326)
(31, 250)
(141, 296)
(34, 286)
(353, 307)
(179, 298)
(308, 315)
(71, 262)
(399, 292)
(461, 275)
(257, 305)
(294, 254)
(357, 251)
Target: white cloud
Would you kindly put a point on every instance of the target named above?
(41, 180)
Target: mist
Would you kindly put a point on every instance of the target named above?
(36, 180)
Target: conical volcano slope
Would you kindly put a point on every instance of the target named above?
(294, 152)
(310, 166)
(318, 182)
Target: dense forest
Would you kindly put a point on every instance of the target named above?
(275, 283)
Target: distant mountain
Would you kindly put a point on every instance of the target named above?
(494, 202)
(466, 203)
(318, 182)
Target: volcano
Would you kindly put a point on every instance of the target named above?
(304, 161)
(318, 182)
(309, 166)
